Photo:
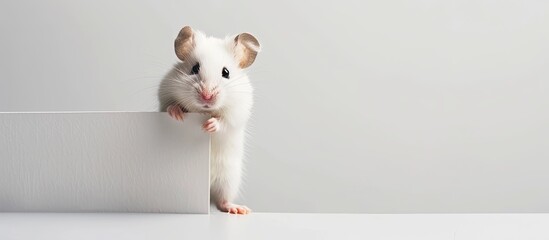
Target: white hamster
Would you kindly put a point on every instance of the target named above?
(211, 79)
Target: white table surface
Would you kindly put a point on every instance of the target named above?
(273, 226)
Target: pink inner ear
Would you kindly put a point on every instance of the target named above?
(246, 49)
(184, 43)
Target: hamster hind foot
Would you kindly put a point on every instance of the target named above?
(233, 208)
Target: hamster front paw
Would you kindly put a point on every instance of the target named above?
(176, 112)
(211, 125)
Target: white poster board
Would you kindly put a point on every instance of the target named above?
(103, 162)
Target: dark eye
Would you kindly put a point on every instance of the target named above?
(196, 68)
(225, 73)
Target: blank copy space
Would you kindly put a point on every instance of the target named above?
(103, 161)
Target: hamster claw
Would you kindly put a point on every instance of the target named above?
(176, 112)
(211, 125)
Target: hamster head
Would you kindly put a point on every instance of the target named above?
(212, 74)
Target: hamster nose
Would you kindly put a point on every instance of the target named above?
(207, 96)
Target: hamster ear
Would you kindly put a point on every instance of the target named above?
(246, 48)
(184, 43)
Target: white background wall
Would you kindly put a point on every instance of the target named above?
(362, 106)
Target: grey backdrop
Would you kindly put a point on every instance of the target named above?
(361, 106)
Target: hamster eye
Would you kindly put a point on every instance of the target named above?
(196, 68)
(225, 73)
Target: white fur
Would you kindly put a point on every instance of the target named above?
(231, 109)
